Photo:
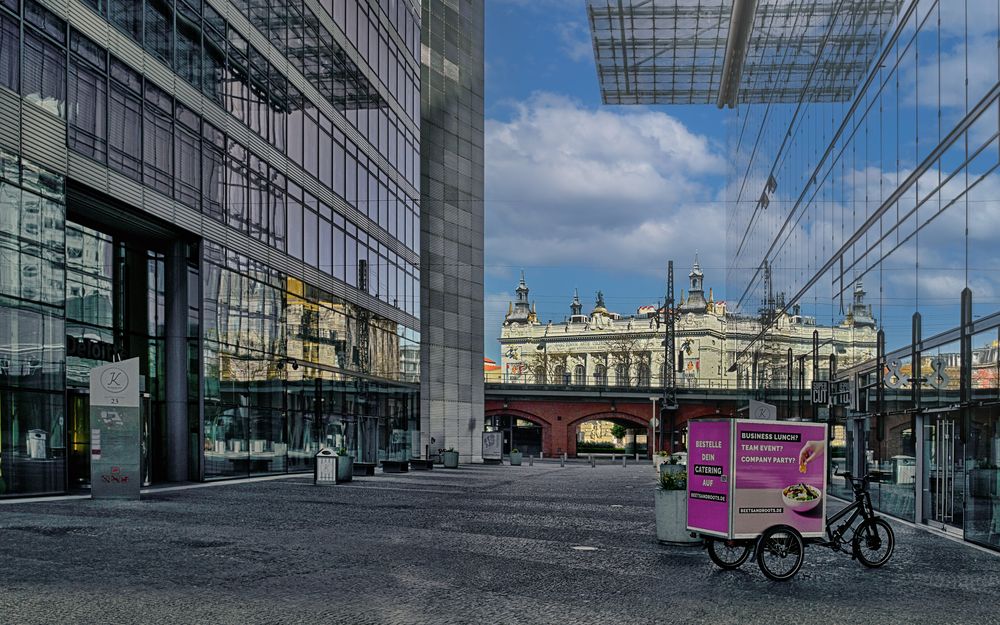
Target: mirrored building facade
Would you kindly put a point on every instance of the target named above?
(890, 181)
(229, 192)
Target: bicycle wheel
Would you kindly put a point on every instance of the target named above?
(780, 552)
(873, 542)
(729, 554)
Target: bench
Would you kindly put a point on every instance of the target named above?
(418, 464)
(395, 466)
(364, 468)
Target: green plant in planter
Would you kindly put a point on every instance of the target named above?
(450, 450)
(672, 459)
(514, 451)
(673, 481)
(342, 451)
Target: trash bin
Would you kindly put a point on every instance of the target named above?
(36, 444)
(904, 469)
(325, 470)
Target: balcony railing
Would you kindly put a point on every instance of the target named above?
(654, 383)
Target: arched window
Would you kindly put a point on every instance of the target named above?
(643, 374)
(601, 375)
(621, 374)
(558, 375)
(579, 375)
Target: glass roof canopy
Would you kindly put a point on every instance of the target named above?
(780, 51)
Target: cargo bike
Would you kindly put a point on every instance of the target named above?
(760, 487)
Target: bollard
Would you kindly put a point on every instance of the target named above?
(624, 458)
(612, 458)
(593, 463)
(541, 454)
(562, 460)
(637, 456)
(531, 461)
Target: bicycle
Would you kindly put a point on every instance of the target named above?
(780, 549)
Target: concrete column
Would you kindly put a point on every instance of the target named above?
(176, 363)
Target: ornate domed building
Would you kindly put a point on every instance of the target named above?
(606, 348)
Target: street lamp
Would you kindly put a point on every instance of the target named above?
(653, 422)
(544, 346)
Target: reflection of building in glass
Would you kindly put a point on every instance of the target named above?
(604, 348)
(230, 193)
(867, 152)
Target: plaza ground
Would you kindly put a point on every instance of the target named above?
(481, 544)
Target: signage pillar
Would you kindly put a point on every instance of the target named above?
(115, 431)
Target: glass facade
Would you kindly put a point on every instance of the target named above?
(286, 270)
(891, 192)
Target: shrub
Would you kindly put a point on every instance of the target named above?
(673, 481)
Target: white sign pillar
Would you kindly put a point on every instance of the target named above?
(115, 431)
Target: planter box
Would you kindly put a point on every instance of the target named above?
(671, 517)
(345, 469)
(515, 458)
(450, 459)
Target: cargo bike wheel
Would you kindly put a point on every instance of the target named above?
(729, 554)
(874, 542)
(780, 552)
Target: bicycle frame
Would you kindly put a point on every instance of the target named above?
(861, 506)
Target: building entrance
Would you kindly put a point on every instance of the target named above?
(944, 471)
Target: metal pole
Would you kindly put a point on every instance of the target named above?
(788, 385)
(815, 374)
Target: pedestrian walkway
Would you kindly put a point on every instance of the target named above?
(480, 544)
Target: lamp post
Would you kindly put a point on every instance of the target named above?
(544, 346)
(653, 422)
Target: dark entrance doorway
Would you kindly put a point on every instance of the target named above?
(520, 434)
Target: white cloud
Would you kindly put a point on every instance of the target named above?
(575, 38)
(568, 185)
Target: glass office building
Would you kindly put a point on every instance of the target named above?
(229, 192)
(863, 158)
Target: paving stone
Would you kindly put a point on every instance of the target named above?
(481, 544)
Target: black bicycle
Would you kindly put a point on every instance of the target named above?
(780, 550)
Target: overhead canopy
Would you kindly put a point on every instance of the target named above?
(729, 51)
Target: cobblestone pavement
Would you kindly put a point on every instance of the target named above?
(475, 545)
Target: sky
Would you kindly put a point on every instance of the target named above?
(584, 196)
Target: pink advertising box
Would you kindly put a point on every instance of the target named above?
(745, 476)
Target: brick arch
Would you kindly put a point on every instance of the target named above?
(528, 416)
(520, 414)
(606, 415)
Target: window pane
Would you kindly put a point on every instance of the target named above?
(294, 227)
(127, 15)
(88, 92)
(159, 30)
(187, 165)
(44, 73)
(189, 50)
(10, 63)
(158, 152)
(125, 126)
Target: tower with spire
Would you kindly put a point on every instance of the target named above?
(696, 295)
(520, 310)
(576, 309)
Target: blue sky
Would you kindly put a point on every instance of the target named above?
(582, 195)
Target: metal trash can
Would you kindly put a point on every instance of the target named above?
(36, 444)
(325, 469)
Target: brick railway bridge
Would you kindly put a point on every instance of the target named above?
(558, 411)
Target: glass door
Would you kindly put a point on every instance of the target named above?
(78, 401)
(982, 513)
(944, 472)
